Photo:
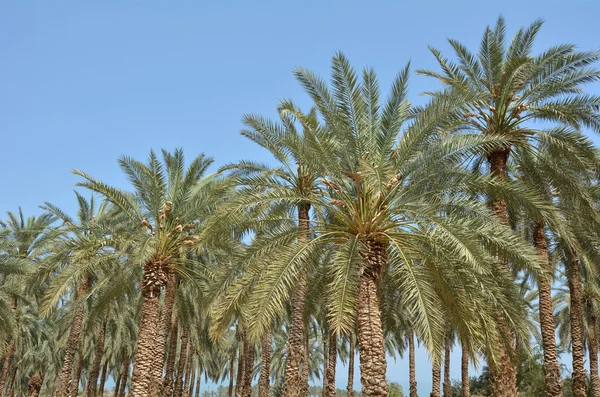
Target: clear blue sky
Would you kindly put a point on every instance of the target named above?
(82, 82)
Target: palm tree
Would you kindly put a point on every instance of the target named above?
(167, 201)
(510, 88)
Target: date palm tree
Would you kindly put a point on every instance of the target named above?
(167, 201)
(509, 89)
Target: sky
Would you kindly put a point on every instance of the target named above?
(83, 82)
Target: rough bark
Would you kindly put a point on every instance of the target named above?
(64, 379)
(305, 370)
(576, 316)
(373, 363)
(466, 387)
(188, 369)
(103, 379)
(249, 368)
(293, 384)
(10, 383)
(161, 337)
(552, 383)
(331, 363)
(10, 352)
(350, 387)
(77, 376)
(436, 375)
(447, 382)
(199, 382)
(181, 364)
(34, 385)
(170, 367)
(411, 365)
(503, 376)
(142, 361)
(241, 367)
(95, 370)
(265, 370)
(124, 377)
(325, 354)
(593, 353)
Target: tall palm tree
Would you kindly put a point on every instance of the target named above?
(511, 88)
(168, 199)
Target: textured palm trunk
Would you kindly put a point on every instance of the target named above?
(75, 383)
(199, 382)
(593, 353)
(503, 376)
(412, 377)
(552, 383)
(436, 377)
(576, 316)
(124, 377)
(103, 379)
(373, 363)
(231, 373)
(142, 361)
(464, 371)
(117, 385)
(241, 367)
(34, 385)
(64, 379)
(161, 338)
(10, 352)
(95, 370)
(181, 364)
(325, 339)
(293, 383)
(188, 369)
(305, 370)
(265, 370)
(248, 368)
(10, 383)
(447, 382)
(350, 387)
(170, 368)
(331, 363)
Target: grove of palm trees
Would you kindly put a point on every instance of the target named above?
(373, 227)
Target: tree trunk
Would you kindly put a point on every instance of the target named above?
(95, 371)
(181, 364)
(373, 363)
(411, 365)
(64, 379)
(10, 384)
(75, 383)
(447, 382)
(161, 338)
(231, 369)
(118, 385)
(325, 339)
(305, 369)
(188, 369)
(10, 352)
(552, 383)
(190, 388)
(350, 387)
(331, 363)
(124, 377)
(293, 385)
(576, 316)
(593, 353)
(265, 370)
(170, 369)
(35, 385)
(103, 379)
(435, 379)
(503, 376)
(199, 382)
(248, 368)
(466, 387)
(241, 367)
